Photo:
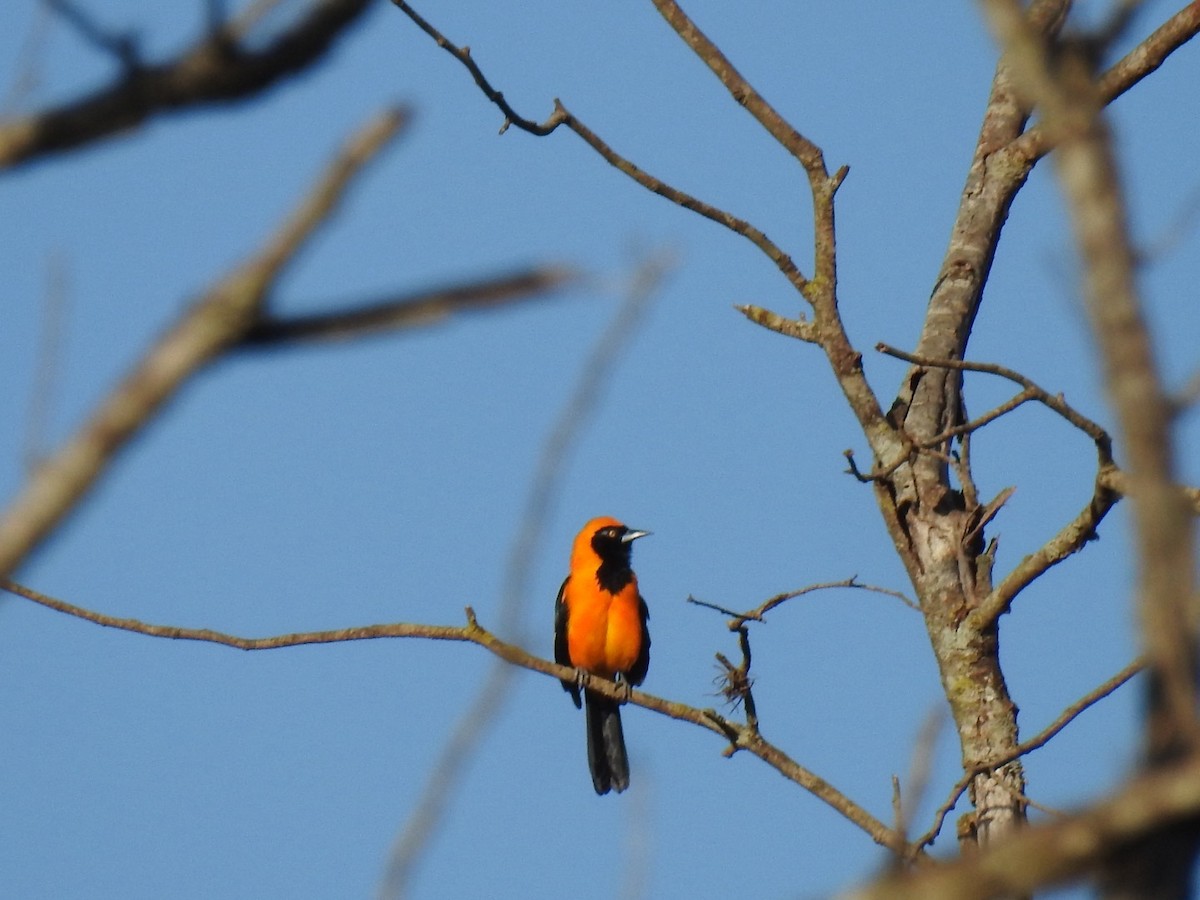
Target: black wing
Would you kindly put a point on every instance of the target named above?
(562, 653)
(641, 665)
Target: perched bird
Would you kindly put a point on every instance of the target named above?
(600, 627)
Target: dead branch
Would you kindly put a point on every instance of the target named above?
(798, 328)
(804, 150)
(1068, 96)
(1054, 402)
(1115, 479)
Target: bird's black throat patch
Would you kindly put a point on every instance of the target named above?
(614, 572)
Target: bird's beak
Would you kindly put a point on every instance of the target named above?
(633, 535)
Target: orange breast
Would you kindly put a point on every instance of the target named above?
(604, 630)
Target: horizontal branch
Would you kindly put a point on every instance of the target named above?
(740, 736)
(213, 70)
(1118, 480)
(411, 311)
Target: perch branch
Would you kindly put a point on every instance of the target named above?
(739, 736)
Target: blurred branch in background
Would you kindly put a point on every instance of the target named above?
(1062, 81)
(1064, 850)
(233, 314)
(210, 326)
(410, 311)
(476, 722)
(217, 68)
(48, 364)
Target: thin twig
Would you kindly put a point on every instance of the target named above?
(804, 150)
(758, 614)
(798, 328)
(122, 46)
(1043, 737)
(919, 771)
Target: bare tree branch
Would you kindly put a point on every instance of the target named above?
(561, 116)
(1076, 533)
(212, 324)
(1061, 81)
(1054, 402)
(1118, 480)
(928, 519)
(214, 70)
(123, 47)
(808, 153)
(739, 736)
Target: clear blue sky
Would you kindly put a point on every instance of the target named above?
(382, 480)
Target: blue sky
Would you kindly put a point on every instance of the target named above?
(383, 480)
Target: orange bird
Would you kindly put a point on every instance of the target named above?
(600, 627)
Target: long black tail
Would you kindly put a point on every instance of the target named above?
(606, 744)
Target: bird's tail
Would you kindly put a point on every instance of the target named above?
(606, 744)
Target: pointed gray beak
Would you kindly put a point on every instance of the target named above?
(633, 535)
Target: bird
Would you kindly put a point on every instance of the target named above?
(600, 627)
